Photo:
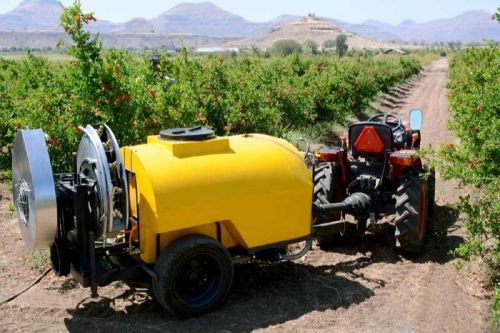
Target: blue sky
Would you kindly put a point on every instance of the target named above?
(354, 11)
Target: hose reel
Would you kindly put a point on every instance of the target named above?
(99, 161)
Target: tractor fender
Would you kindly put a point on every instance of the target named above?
(403, 161)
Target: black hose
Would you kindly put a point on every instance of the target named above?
(383, 170)
(31, 285)
(302, 253)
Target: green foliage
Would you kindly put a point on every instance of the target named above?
(329, 43)
(455, 45)
(6, 113)
(229, 94)
(497, 15)
(341, 45)
(474, 103)
(95, 87)
(6, 176)
(310, 47)
(286, 47)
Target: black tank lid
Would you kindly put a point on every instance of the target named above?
(187, 134)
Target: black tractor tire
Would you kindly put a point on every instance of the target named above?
(411, 213)
(194, 276)
(432, 192)
(323, 194)
(323, 183)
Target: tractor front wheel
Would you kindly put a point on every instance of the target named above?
(411, 213)
(194, 276)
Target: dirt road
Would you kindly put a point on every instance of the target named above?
(360, 287)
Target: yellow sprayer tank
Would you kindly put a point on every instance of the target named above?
(251, 191)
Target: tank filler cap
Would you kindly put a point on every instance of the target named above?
(187, 134)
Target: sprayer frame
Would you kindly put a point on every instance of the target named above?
(74, 250)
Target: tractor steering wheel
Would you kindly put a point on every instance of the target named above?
(384, 119)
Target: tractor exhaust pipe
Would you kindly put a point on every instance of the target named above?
(356, 203)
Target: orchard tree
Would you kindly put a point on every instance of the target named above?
(341, 45)
(286, 47)
(329, 43)
(310, 47)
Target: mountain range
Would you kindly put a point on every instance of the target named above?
(32, 15)
(207, 19)
(471, 26)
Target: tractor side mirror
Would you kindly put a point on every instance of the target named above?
(416, 118)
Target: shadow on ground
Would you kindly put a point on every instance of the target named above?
(378, 244)
(262, 295)
(271, 294)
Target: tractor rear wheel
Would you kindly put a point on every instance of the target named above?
(323, 183)
(411, 213)
(194, 276)
(432, 192)
(324, 189)
(323, 194)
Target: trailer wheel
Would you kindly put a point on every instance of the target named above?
(194, 276)
(411, 213)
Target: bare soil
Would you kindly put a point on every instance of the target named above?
(363, 286)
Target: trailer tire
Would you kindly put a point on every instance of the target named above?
(194, 276)
(411, 213)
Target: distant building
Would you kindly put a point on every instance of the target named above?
(217, 49)
(395, 51)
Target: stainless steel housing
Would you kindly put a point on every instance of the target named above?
(34, 190)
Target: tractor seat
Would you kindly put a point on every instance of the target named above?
(370, 139)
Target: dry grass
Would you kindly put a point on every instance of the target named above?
(22, 55)
(38, 260)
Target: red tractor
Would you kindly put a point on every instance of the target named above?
(376, 173)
